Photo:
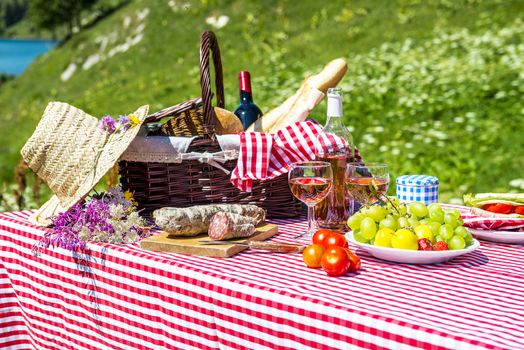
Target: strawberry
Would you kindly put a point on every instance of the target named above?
(424, 244)
(440, 246)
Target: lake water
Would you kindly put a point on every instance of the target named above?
(16, 55)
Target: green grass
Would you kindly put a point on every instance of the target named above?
(282, 41)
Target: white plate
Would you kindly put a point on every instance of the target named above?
(499, 236)
(412, 256)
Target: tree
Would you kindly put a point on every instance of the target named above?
(11, 12)
(46, 14)
(49, 14)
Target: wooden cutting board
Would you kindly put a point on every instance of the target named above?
(190, 245)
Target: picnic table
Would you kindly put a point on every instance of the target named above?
(123, 297)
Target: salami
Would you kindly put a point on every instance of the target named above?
(194, 220)
(227, 225)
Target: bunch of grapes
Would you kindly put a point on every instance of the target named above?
(413, 226)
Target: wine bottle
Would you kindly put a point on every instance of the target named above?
(335, 209)
(247, 111)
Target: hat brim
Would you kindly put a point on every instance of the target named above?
(107, 156)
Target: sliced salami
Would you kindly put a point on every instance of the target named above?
(194, 220)
(228, 225)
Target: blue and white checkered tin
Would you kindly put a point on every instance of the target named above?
(417, 188)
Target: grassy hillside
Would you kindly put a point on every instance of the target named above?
(433, 87)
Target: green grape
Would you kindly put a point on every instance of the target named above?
(424, 221)
(460, 222)
(438, 238)
(446, 231)
(404, 239)
(418, 209)
(383, 237)
(437, 216)
(434, 226)
(413, 222)
(456, 242)
(355, 220)
(403, 222)
(368, 228)
(423, 231)
(377, 212)
(435, 207)
(402, 208)
(455, 213)
(468, 239)
(359, 238)
(389, 222)
(363, 211)
(450, 219)
(461, 231)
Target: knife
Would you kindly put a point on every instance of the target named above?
(271, 246)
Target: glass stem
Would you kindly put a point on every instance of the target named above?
(312, 223)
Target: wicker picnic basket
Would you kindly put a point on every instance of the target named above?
(191, 182)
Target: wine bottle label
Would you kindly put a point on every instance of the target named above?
(334, 104)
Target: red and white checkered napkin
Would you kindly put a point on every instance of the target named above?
(482, 223)
(266, 156)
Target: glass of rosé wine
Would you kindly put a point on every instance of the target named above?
(367, 183)
(310, 182)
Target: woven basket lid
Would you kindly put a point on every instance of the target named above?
(71, 154)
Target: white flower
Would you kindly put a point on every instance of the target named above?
(217, 21)
(116, 211)
(368, 138)
(91, 61)
(518, 183)
(438, 134)
(68, 73)
(500, 95)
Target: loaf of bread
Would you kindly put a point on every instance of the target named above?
(330, 76)
(227, 122)
(297, 107)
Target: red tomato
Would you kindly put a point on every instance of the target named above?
(519, 210)
(335, 239)
(321, 235)
(355, 260)
(335, 261)
(312, 255)
(499, 208)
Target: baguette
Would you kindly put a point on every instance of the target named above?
(303, 102)
(297, 107)
(330, 76)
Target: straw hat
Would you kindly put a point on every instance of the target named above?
(70, 152)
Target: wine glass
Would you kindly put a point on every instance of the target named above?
(367, 183)
(310, 182)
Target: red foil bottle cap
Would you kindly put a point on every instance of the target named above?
(244, 81)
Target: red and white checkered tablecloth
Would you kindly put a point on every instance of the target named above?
(127, 298)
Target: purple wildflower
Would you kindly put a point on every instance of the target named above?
(107, 123)
(125, 122)
(93, 220)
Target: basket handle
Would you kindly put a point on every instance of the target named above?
(208, 42)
